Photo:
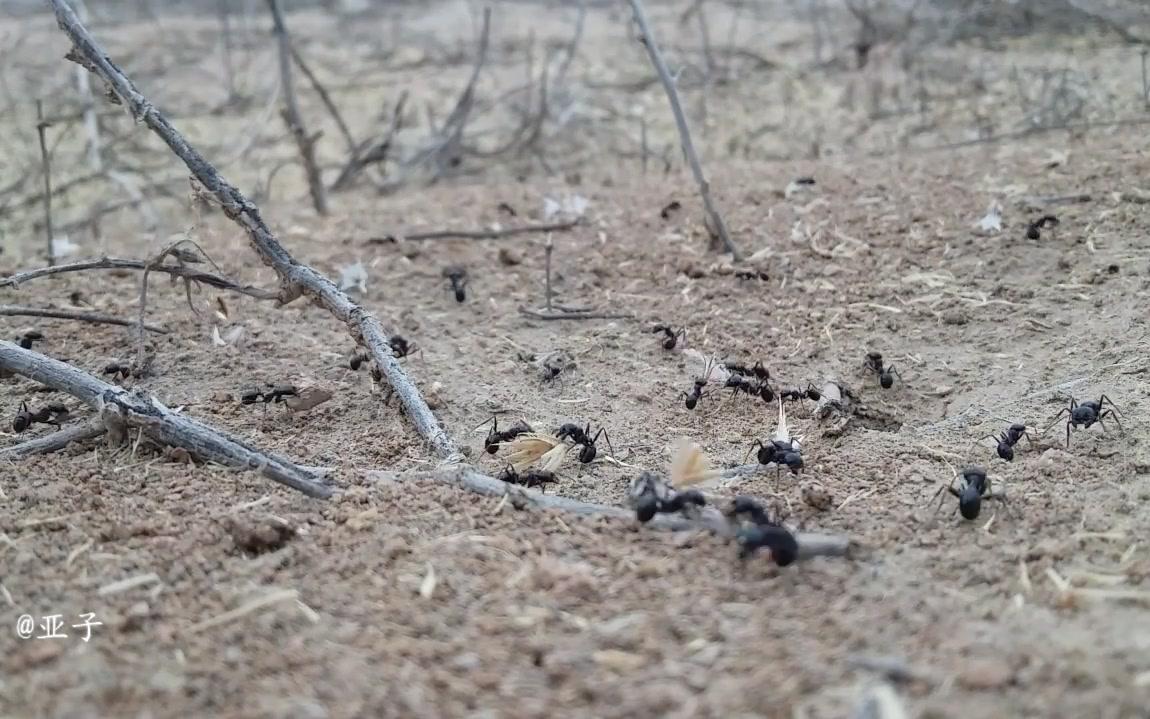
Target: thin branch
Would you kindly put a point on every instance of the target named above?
(711, 519)
(579, 315)
(41, 129)
(296, 279)
(93, 317)
(55, 441)
(715, 220)
(477, 234)
(115, 263)
(324, 97)
(120, 409)
(367, 153)
(292, 115)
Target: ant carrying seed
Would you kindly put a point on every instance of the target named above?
(974, 487)
(25, 340)
(759, 531)
(651, 495)
(50, 414)
(495, 436)
(671, 336)
(581, 436)
(458, 277)
(1033, 229)
(531, 478)
(1086, 414)
(276, 393)
(886, 374)
(1007, 439)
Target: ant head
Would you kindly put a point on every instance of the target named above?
(766, 453)
(875, 357)
(781, 543)
(970, 504)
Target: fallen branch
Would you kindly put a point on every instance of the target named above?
(55, 441)
(714, 219)
(115, 263)
(296, 279)
(120, 409)
(711, 519)
(93, 317)
(476, 234)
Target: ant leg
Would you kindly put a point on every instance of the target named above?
(603, 431)
(1113, 415)
(1068, 422)
(757, 442)
(1055, 420)
(1106, 400)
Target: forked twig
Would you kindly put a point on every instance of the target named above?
(296, 279)
(715, 220)
(120, 409)
(115, 263)
(93, 317)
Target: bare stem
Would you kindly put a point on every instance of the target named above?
(547, 250)
(55, 441)
(715, 220)
(477, 234)
(41, 128)
(292, 115)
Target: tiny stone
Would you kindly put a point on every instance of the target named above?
(509, 257)
(985, 674)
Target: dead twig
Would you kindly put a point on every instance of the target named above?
(120, 409)
(477, 234)
(291, 113)
(41, 130)
(55, 441)
(324, 97)
(714, 219)
(573, 315)
(711, 519)
(114, 263)
(366, 153)
(296, 279)
(93, 317)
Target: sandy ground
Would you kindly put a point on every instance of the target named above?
(400, 598)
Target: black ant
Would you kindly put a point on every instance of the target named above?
(761, 531)
(495, 436)
(885, 373)
(757, 370)
(1032, 229)
(671, 336)
(277, 393)
(1086, 414)
(779, 452)
(118, 369)
(652, 496)
(25, 340)
(1007, 439)
(458, 277)
(400, 346)
(583, 436)
(530, 478)
(691, 399)
(974, 488)
(50, 414)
